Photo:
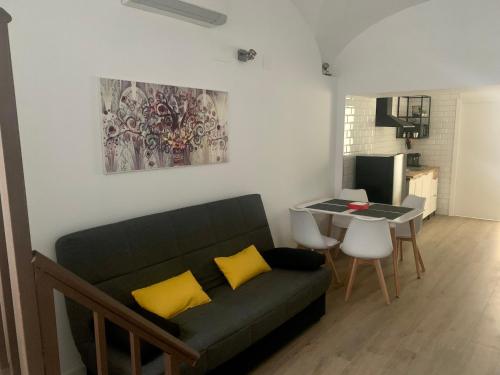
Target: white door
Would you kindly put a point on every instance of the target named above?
(476, 187)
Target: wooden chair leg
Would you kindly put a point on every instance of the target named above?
(349, 269)
(400, 249)
(420, 260)
(336, 252)
(415, 245)
(332, 265)
(343, 231)
(381, 280)
(417, 263)
(416, 252)
(352, 276)
(395, 262)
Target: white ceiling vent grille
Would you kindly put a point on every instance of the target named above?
(181, 10)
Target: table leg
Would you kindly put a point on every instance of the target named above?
(330, 226)
(343, 231)
(351, 260)
(395, 262)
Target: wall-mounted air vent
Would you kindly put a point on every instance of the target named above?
(181, 10)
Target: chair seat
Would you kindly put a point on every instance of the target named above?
(330, 242)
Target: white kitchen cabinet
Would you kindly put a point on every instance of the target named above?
(434, 193)
(425, 185)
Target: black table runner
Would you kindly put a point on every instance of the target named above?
(376, 210)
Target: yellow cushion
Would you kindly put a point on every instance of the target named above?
(172, 296)
(243, 266)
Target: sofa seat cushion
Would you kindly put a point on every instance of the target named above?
(236, 319)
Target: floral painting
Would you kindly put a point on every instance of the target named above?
(151, 126)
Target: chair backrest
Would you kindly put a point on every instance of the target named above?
(368, 239)
(412, 201)
(305, 230)
(358, 195)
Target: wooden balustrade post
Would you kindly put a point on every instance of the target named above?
(4, 359)
(7, 309)
(100, 344)
(171, 364)
(135, 354)
(48, 324)
(106, 308)
(15, 218)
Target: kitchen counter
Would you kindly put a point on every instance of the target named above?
(423, 182)
(413, 172)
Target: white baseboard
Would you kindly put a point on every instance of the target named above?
(476, 218)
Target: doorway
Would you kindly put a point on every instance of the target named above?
(477, 176)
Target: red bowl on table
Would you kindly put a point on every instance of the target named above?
(358, 206)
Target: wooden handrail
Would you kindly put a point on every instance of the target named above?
(51, 276)
(20, 311)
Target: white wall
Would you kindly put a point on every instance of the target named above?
(335, 23)
(476, 184)
(279, 111)
(440, 44)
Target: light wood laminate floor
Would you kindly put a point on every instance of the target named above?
(446, 323)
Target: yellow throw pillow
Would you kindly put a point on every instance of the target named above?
(243, 266)
(172, 296)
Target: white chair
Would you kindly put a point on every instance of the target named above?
(404, 232)
(306, 234)
(367, 241)
(342, 222)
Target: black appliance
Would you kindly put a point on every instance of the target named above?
(413, 160)
(383, 177)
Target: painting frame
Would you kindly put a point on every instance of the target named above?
(151, 126)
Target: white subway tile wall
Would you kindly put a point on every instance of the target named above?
(362, 137)
(437, 150)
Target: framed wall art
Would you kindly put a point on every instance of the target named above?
(152, 126)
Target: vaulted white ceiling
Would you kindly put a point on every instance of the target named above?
(336, 22)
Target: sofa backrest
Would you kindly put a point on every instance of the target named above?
(124, 256)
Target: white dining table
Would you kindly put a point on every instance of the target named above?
(394, 214)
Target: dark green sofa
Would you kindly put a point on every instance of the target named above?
(124, 256)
